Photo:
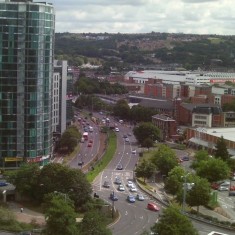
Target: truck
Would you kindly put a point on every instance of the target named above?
(85, 135)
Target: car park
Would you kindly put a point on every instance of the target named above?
(106, 184)
(121, 187)
(117, 180)
(113, 196)
(153, 207)
(131, 198)
(133, 188)
(140, 197)
(119, 167)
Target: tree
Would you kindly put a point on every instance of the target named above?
(121, 109)
(201, 155)
(93, 223)
(56, 177)
(145, 169)
(199, 194)
(173, 222)
(70, 138)
(213, 170)
(60, 217)
(25, 179)
(146, 130)
(164, 159)
(221, 149)
(148, 142)
(173, 183)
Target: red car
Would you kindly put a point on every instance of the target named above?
(91, 141)
(153, 207)
(89, 145)
(215, 186)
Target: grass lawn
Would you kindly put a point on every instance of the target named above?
(102, 163)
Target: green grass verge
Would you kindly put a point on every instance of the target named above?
(110, 151)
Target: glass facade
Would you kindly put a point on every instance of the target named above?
(26, 73)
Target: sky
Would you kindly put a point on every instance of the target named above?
(145, 16)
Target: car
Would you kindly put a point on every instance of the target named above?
(129, 134)
(185, 158)
(120, 121)
(133, 188)
(117, 129)
(133, 151)
(113, 196)
(127, 140)
(25, 233)
(129, 183)
(118, 180)
(80, 163)
(223, 188)
(225, 183)
(140, 197)
(2, 184)
(91, 141)
(89, 145)
(119, 167)
(124, 136)
(131, 198)
(121, 187)
(215, 185)
(153, 207)
(106, 184)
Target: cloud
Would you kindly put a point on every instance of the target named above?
(142, 16)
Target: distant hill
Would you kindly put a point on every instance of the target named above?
(125, 50)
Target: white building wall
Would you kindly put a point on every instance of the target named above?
(201, 120)
(218, 90)
(55, 101)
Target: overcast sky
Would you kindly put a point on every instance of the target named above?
(145, 16)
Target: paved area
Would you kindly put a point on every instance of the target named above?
(27, 216)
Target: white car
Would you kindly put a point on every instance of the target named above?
(127, 140)
(121, 187)
(133, 151)
(129, 183)
(133, 189)
(117, 129)
(223, 188)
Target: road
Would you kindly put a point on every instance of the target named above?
(135, 218)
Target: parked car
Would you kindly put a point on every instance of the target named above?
(133, 151)
(113, 196)
(121, 187)
(2, 184)
(185, 158)
(127, 140)
(131, 198)
(129, 183)
(223, 188)
(117, 129)
(106, 184)
(117, 180)
(89, 145)
(153, 207)
(140, 197)
(133, 188)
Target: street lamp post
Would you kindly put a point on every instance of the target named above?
(62, 194)
(184, 192)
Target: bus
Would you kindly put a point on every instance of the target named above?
(85, 135)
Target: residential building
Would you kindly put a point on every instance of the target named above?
(26, 75)
(166, 125)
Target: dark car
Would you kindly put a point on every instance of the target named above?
(185, 158)
(113, 196)
(119, 167)
(118, 180)
(106, 184)
(2, 184)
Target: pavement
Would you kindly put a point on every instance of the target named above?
(219, 212)
(27, 215)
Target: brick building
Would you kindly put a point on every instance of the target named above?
(167, 126)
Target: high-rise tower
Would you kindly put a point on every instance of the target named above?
(26, 73)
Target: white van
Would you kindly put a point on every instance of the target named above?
(82, 140)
